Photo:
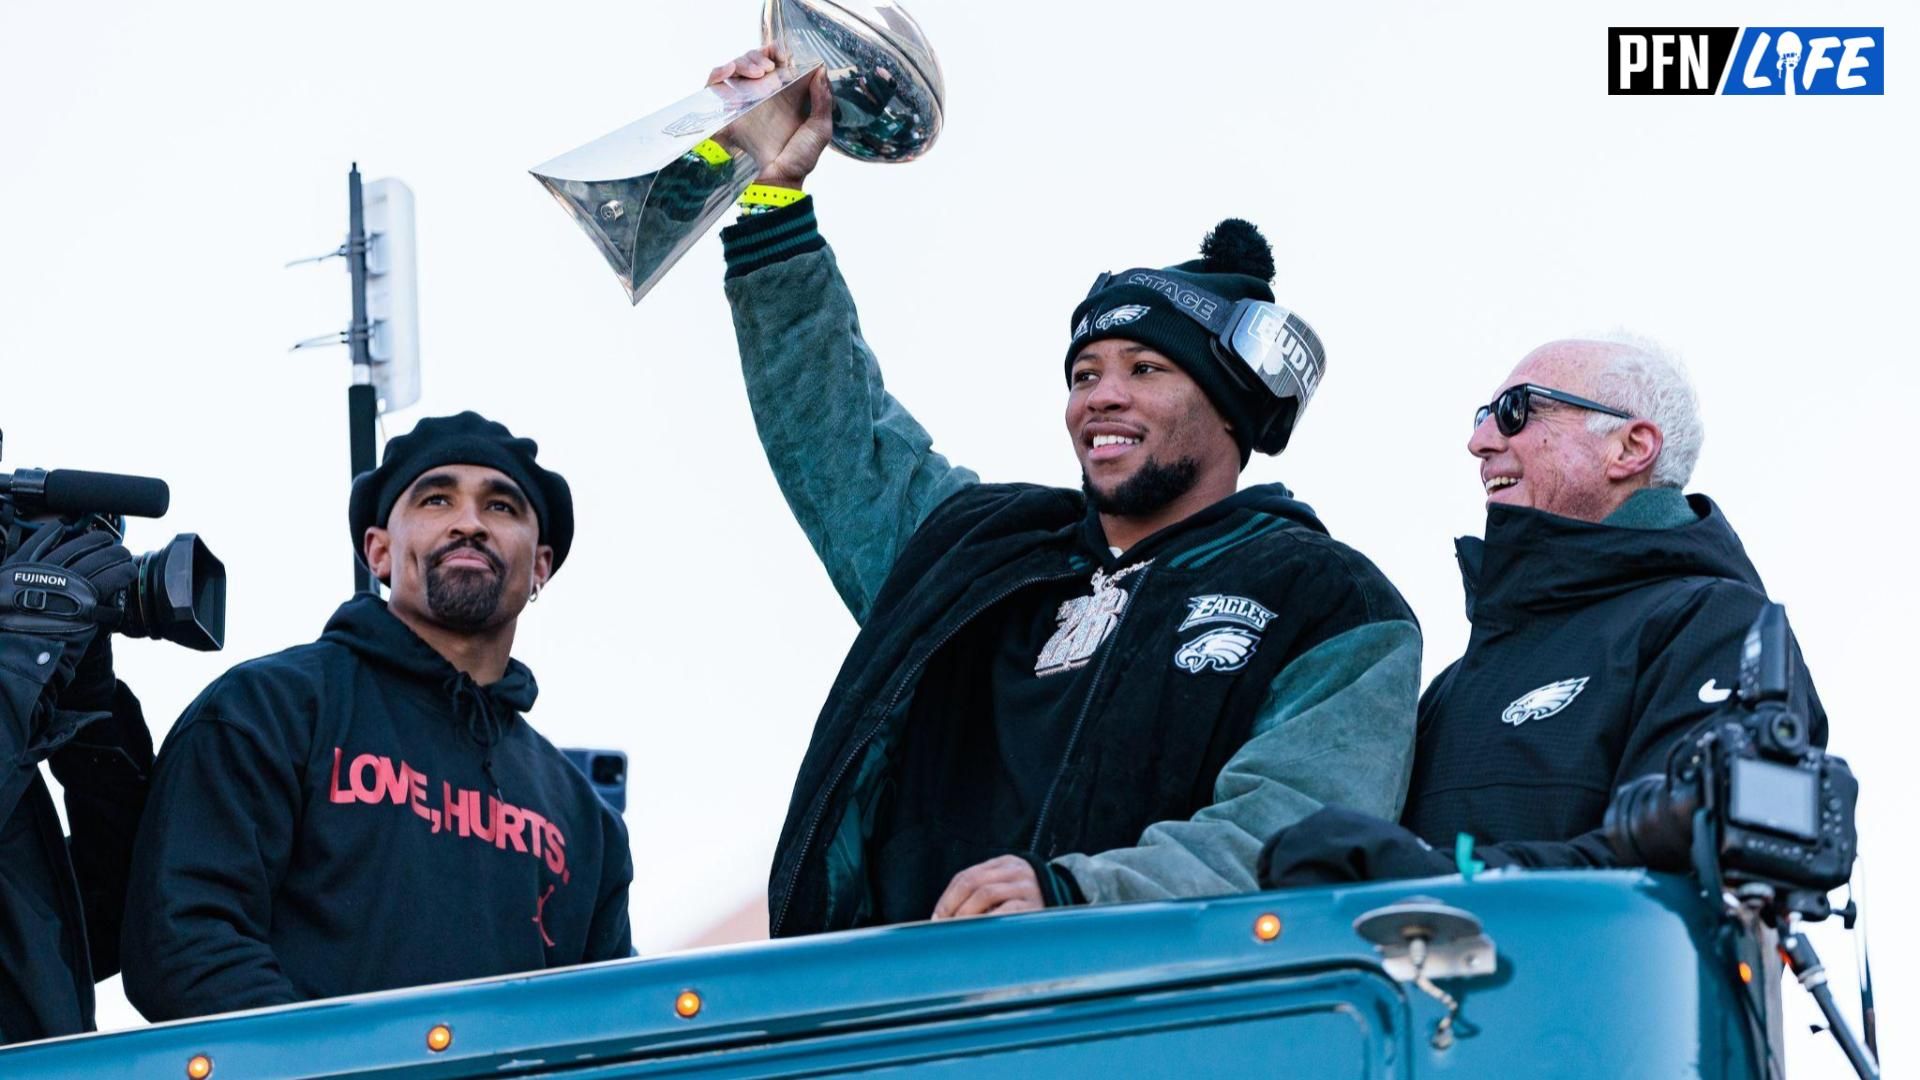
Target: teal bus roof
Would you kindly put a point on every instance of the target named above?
(1600, 973)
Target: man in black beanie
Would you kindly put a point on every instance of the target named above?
(371, 811)
(1063, 696)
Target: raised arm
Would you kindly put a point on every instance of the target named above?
(858, 471)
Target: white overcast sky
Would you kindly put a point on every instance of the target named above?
(1445, 187)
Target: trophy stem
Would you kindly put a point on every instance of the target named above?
(647, 192)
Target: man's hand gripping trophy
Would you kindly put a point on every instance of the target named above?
(789, 157)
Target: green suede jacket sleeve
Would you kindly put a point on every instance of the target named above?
(860, 474)
(858, 471)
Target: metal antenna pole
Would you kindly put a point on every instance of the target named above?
(361, 403)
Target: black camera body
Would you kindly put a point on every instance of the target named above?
(1768, 806)
(1787, 821)
(179, 593)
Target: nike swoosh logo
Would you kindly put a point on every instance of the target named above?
(1714, 695)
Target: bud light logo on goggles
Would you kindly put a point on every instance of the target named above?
(1260, 344)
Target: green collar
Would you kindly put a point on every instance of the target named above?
(1653, 508)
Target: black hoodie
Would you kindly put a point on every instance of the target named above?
(1594, 649)
(355, 815)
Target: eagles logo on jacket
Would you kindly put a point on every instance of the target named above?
(1214, 608)
(1595, 648)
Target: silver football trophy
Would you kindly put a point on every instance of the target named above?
(646, 192)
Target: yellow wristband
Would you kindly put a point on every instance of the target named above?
(770, 196)
(711, 152)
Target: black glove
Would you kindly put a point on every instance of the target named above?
(1336, 845)
(54, 591)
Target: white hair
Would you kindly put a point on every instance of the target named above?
(1643, 378)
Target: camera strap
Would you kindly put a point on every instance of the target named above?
(46, 598)
(41, 599)
(1706, 855)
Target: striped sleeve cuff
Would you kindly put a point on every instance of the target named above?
(760, 240)
(1057, 887)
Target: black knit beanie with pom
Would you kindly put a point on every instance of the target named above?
(1235, 263)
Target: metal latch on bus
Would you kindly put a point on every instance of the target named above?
(1421, 939)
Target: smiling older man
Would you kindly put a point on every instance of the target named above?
(1608, 613)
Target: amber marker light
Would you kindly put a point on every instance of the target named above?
(439, 1037)
(687, 1005)
(1266, 927)
(1746, 972)
(199, 1067)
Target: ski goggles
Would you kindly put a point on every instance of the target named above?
(1510, 410)
(1261, 345)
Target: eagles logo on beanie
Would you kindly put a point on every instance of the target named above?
(465, 439)
(1235, 263)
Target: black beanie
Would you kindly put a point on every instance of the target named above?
(466, 439)
(1236, 264)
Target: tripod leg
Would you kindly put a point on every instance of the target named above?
(1806, 966)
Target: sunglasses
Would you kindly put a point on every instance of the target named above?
(1510, 411)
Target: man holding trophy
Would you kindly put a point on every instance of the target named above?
(1061, 696)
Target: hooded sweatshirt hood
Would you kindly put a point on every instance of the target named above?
(1273, 499)
(371, 630)
(1533, 561)
(1596, 651)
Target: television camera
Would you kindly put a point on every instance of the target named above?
(179, 592)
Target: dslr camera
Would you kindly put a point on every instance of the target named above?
(1749, 799)
(179, 593)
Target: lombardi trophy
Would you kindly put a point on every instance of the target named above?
(645, 193)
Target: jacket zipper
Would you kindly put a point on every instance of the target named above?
(1073, 737)
(813, 823)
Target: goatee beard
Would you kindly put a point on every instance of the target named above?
(1148, 491)
(464, 599)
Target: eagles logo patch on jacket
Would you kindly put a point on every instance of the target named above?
(1174, 651)
(1543, 702)
(1622, 634)
(1224, 648)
